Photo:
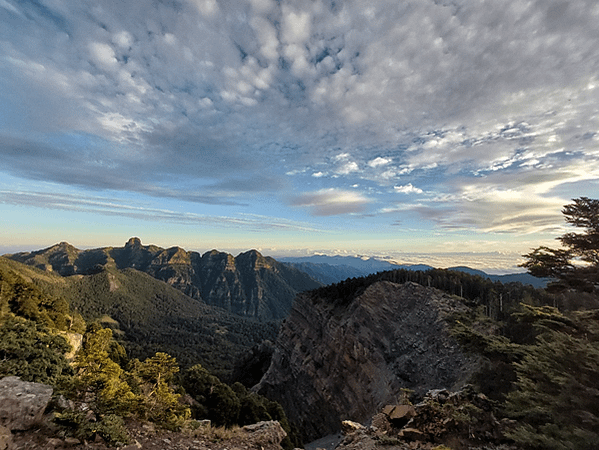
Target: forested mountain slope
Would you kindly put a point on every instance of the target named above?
(148, 315)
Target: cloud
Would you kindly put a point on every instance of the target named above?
(379, 161)
(494, 210)
(330, 202)
(114, 207)
(96, 168)
(407, 189)
(218, 101)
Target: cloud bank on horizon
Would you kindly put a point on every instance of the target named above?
(466, 115)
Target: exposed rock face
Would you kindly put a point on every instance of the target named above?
(75, 340)
(250, 284)
(22, 404)
(334, 362)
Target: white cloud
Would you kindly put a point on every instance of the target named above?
(295, 26)
(407, 189)
(379, 161)
(329, 202)
(347, 168)
(116, 207)
(208, 8)
(123, 40)
(103, 55)
(495, 95)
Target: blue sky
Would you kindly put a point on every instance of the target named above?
(447, 132)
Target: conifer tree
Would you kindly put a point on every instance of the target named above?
(159, 402)
(99, 377)
(576, 265)
(556, 401)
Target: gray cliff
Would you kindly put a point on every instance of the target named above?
(334, 361)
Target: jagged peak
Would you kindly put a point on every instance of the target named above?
(252, 252)
(256, 259)
(60, 247)
(133, 242)
(173, 255)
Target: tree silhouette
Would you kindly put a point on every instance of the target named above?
(576, 265)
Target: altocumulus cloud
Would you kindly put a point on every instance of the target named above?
(199, 99)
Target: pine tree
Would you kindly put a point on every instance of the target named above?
(556, 401)
(576, 265)
(159, 402)
(100, 378)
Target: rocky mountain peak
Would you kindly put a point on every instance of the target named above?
(255, 260)
(133, 242)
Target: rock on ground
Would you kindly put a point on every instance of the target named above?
(5, 439)
(22, 404)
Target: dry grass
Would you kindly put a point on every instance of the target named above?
(214, 434)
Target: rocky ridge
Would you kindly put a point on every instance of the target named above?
(336, 361)
(249, 284)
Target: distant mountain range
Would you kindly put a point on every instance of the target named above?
(333, 269)
(248, 285)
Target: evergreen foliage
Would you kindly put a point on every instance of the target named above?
(575, 265)
(159, 403)
(234, 405)
(20, 296)
(556, 401)
(100, 379)
(495, 298)
(30, 346)
(28, 350)
(111, 427)
(149, 316)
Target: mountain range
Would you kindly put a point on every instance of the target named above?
(212, 307)
(345, 349)
(333, 269)
(249, 285)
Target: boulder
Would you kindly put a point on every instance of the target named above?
(265, 434)
(22, 404)
(401, 414)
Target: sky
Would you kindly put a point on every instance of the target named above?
(426, 131)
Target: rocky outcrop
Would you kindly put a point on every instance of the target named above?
(75, 340)
(249, 284)
(444, 419)
(22, 404)
(337, 361)
(264, 434)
